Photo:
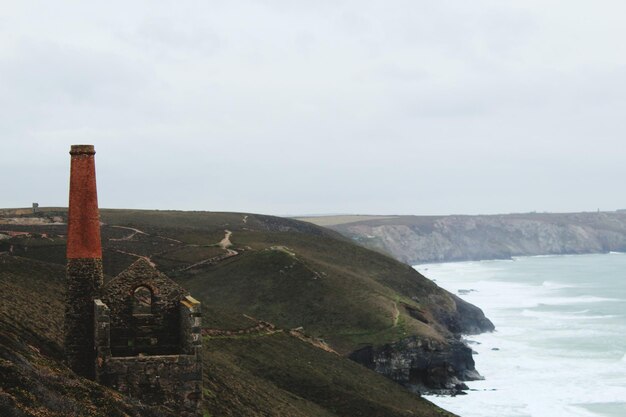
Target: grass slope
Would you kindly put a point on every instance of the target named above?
(289, 273)
(253, 375)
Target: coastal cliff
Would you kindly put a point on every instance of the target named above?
(424, 239)
(286, 305)
(423, 366)
(431, 366)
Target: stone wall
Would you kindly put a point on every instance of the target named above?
(191, 326)
(84, 278)
(157, 330)
(172, 381)
(102, 336)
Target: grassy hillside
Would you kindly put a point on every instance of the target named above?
(245, 269)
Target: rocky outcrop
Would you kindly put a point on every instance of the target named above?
(417, 239)
(423, 366)
(428, 366)
(465, 318)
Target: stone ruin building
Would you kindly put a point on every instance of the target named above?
(140, 333)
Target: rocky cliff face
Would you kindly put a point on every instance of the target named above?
(423, 366)
(415, 239)
(428, 366)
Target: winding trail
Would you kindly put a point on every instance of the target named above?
(261, 328)
(224, 244)
(147, 258)
(396, 314)
(134, 233)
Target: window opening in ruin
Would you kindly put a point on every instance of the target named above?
(142, 301)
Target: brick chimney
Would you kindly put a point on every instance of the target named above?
(83, 224)
(84, 261)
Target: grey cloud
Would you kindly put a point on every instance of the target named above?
(304, 107)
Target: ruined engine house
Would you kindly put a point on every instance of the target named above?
(139, 333)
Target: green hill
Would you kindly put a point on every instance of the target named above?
(285, 303)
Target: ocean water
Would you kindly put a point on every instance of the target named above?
(559, 349)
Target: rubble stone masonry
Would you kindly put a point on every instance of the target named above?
(141, 332)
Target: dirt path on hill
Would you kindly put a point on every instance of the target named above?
(396, 314)
(147, 258)
(226, 243)
(261, 328)
(134, 233)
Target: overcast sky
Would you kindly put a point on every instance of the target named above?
(302, 107)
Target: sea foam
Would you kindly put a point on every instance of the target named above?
(560, 339)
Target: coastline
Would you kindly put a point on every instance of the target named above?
(557, 325)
